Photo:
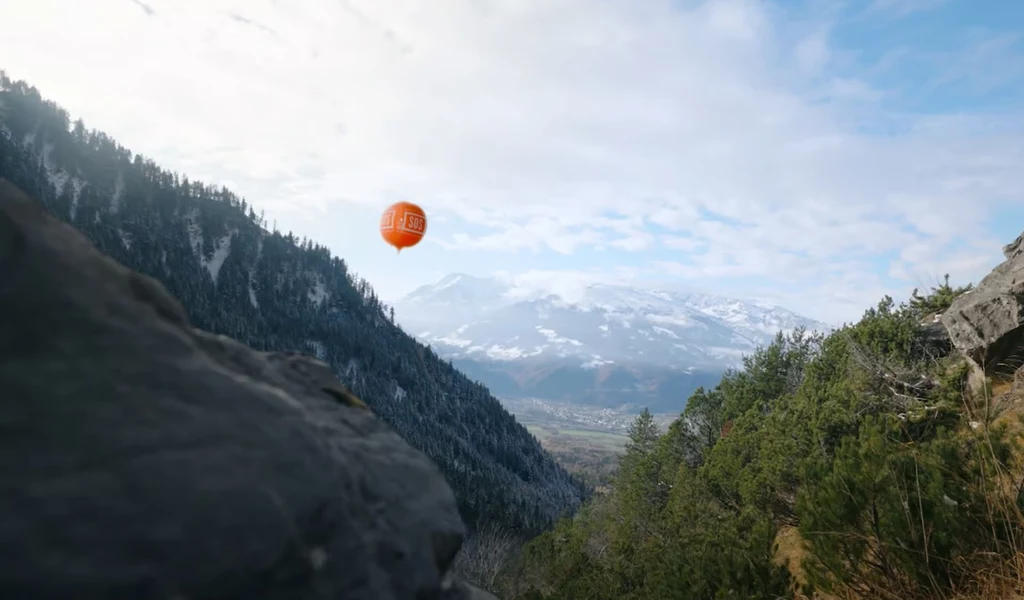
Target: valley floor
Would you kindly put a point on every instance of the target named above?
(586, 440)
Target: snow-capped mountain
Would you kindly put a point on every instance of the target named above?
(609, 346)
(476, 318)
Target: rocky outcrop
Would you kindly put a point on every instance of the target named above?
(141, 458)
(1014, 248)
(987, 323)
(935, 338)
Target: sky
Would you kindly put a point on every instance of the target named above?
(817, 154)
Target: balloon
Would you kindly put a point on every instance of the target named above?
(403, 224)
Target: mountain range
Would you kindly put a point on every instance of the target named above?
(610, 345)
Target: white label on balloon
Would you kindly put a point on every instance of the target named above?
(413, 223)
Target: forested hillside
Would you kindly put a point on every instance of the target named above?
(274, 291)
(858, 465)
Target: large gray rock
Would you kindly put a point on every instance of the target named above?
(935, 338)
(987, 323)
(140, 458)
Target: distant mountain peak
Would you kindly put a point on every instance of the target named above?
(453, 279)
(484, 318)
(604, 344)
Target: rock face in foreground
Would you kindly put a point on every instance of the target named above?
(141, 458)
(987, 323)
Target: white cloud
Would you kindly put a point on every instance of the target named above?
(537, 125)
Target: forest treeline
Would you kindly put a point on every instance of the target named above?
(854, 465)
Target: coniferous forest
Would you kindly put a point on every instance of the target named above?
(274, 291)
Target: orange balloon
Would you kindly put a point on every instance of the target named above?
(403, 225)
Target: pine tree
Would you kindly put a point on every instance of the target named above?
(643, 435)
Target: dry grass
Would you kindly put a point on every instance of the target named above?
(789, 549)
(1004, 582)
(1008, 393)
(1004, 579)
(1000, 388)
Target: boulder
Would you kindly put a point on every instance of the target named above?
(142, 458)
(986, 324)
(935, 338)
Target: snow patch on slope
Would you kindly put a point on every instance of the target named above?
(221, 250)
(252, 271)
(115, 197)
(453, 340)
(596, 362)
(77, 185)
(195, 233)
(318, 349)
(447, 284)
(505, 353)
(554, 338)
(319, 293)
(497, 352)
(44, 156)
(58, 179)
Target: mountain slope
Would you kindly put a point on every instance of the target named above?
(276, 292)
(611, 346)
